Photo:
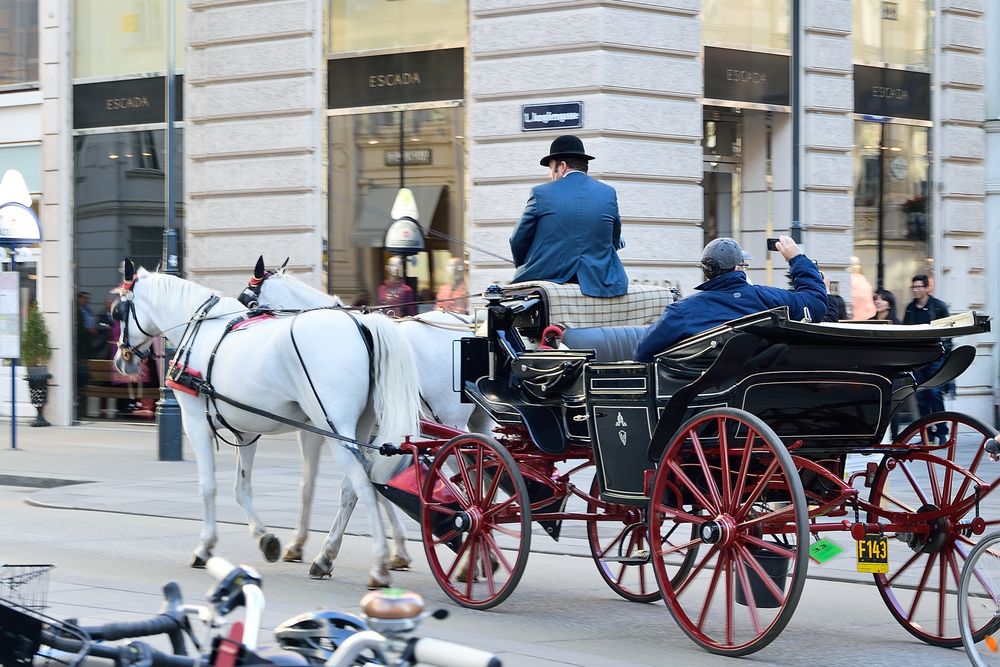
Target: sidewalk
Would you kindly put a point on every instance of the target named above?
(109, 467)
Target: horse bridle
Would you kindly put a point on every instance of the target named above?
(250, 296)
(120, 312)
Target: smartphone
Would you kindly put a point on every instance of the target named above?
(772, 245)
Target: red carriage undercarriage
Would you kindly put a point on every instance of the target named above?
(716, 466)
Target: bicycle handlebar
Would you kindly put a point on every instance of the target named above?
(171, 622)
(440, 653)
(133, 653)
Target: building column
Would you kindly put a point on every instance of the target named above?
(826, 204)
(253, 149)
(636, 68)
(992, 166)
(55, 286)
(959, 168)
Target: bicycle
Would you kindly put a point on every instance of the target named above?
(979, 594)
(381, 636)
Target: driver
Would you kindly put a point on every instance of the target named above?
(726, 295)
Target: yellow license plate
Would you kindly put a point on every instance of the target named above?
(873, 554)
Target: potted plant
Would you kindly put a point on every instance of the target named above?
(35, 354)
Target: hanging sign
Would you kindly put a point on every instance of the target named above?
(396, 78)
(10, 324)
(892, 93)
(18, 222)
(404, 236)
(747, 76)
(124, 102)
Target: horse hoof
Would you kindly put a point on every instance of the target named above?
(319, 572)
(400, 563)
(293, 554)
(377, 582)
(198, 562)
(270, 546)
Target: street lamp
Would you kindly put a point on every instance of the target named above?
(168, 412)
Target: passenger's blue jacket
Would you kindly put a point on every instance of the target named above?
(730, 296)
(571, 232)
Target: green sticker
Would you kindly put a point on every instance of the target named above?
(823, 550)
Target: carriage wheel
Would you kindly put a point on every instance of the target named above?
(921, 586)
(621, 548)
(476, 535)
(727, 476)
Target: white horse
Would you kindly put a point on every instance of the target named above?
(431, 337)
(283, 367)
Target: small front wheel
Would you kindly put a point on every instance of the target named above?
(475, 521)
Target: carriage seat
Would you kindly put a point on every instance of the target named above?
(608, 343)
(567, 306)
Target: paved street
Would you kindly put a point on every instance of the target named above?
(116, 538)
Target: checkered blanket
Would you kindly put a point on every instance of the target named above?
(566, 306)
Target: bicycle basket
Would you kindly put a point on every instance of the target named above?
(26, 634)
(25, 585)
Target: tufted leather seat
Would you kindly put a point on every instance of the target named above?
(610, 343)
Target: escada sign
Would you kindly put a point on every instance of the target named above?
(124, 102)
(894, 93)
(745, 76)
(396, 78)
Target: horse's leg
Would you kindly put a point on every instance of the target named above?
(322, 566)
(268, 543)
(399, 559)
(310, 445)
(353, 470)
(200, 437)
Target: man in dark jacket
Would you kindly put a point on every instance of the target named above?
(570, 231)
(923, 310)
(726, 295)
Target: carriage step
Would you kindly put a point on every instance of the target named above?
(638, 558)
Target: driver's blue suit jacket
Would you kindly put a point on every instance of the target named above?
(730, 296)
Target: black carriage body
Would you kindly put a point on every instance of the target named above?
(825, 389)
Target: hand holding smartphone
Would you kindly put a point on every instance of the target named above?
(772, 245)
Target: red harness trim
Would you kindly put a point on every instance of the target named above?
(178, 378)
(251, 321)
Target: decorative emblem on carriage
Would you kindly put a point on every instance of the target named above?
(621, 421)
(623, 436)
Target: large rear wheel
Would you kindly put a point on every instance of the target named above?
(476, 521)
(726, 479)
(934, 482)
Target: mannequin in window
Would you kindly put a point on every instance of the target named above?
(862, 294)
(395, 292)
(454, 295)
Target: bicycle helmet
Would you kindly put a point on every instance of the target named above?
(721, 256)
(316, 635)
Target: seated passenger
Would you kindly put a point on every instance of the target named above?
(726, 295)
(570, 231)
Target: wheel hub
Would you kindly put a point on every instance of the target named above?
(934, 539)
(721, 531)
(466, 521)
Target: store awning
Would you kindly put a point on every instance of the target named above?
(373, 213)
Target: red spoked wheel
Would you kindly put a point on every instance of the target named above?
(621, 548)
(933, 482)
(475, 521)
(727, 480)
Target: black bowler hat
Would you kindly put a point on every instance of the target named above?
(565, 146)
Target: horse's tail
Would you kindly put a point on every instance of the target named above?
(396, 392)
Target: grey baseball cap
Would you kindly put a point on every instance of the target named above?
(721, 255)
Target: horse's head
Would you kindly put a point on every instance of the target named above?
(137, 328)
(278, 289)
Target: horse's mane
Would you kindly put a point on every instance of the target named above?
(165, 288)
(319, 294)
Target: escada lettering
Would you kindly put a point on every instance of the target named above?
(113, 103)
(900, 94)
(745, 76)
(395, 79)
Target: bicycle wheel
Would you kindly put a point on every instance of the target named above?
(979, 602)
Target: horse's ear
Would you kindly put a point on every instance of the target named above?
(258, 271)
(283, 265)
(129, 270)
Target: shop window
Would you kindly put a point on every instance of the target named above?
(120, 37)
(750, 25)
(892, 33)
(363, 25)
(19, 43)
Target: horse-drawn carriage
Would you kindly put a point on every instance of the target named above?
(717, 466)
